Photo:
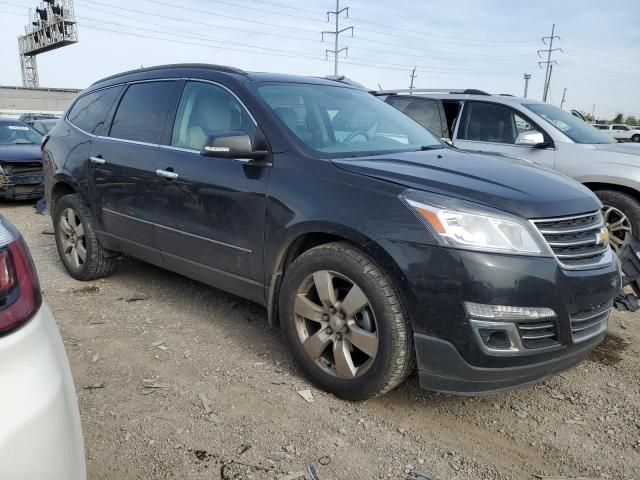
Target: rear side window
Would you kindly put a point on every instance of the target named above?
(90, 111)
(423, 111)
(142, 112)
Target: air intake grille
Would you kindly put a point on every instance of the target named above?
(589, 323)
(575, 241)
(538, 334)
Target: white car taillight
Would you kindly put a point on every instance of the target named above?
(20, 296)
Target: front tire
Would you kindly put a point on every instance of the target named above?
(81, 254)
(621, 213)
(635, 139)
(345, 323)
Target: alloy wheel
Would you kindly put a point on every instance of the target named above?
(335, 324)
(72, 238)
(618, 225)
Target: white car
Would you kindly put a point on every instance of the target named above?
(620, 131)
(40, 431)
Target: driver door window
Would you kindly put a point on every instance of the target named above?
(207, 109)
(486, 122)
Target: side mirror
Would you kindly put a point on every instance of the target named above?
(531, 138)
(235, 144)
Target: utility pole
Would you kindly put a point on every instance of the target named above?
(336, 51)
(593, 113)
(564, 96)
(527, 77)
(413, 77)
(548, 62)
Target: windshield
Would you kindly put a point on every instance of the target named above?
(17, 134)
(337, 121)
(571, 126)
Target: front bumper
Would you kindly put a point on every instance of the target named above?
(40, 431)
(436, 283)
(21, 187)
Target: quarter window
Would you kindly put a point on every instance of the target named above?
(207, 109)
(90, 111)
(142, 112)
(487, 122)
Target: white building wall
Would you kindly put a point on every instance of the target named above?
(14, 101)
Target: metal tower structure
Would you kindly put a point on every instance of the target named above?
(51, 25)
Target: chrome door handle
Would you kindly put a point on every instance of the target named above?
(97, 160)
(167, 174)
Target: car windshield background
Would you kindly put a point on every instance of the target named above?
(18, 134)
(572, 127)
(337, 121)
(207, 109)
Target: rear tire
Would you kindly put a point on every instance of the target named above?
(79, 249)
(621, 213)
(373, 336)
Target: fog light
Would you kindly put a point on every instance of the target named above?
(504, 312)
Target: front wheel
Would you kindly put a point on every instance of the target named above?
(344, 323)
(635, 139)
(621, 213)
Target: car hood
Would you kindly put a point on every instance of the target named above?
(20, 153)
(626, 148)
(509, 184)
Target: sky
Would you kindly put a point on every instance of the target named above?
(483, 44)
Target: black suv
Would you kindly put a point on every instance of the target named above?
(369, 241)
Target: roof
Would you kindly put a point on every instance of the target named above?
(504, 99)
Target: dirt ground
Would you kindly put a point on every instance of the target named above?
(177, 380)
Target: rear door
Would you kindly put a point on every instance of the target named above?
(123, 176)
(210, 223)
(493, 128)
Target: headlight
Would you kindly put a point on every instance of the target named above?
(462, 224)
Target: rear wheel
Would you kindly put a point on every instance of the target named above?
(621, 214)
(344, 323)
(81, 254)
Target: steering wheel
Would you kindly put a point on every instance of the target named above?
(353, 135)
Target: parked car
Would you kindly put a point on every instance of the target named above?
(40, 432)
(528, 129)
(29, 118)
(621, 132)
(45, 125)
(372, 243)
(20, 161)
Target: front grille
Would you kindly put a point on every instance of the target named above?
(576, 240)
(538, 334)
(590, 322)
(15, 169)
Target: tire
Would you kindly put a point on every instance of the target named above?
(635, 139)
(347, 269)
(616, 206)
(78, 235)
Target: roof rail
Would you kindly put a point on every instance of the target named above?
(203, 66)
(342, 79)
(468, 91)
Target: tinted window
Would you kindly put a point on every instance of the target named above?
(423, 111)
(620, 127)
(91, 110)
(142, 112)
(486, 122)
(206, 109)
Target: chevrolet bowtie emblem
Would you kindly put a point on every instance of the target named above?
(602, 237)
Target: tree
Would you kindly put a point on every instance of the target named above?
(631, 120)
(619, 118)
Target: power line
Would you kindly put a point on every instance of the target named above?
(549, 62)
(336, 35)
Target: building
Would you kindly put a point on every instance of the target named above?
(14, 101)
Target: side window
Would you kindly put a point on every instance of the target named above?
(142, 112)
(422, 110)
(487, 122)
(206, 109)
(620, 127)
(91, 110)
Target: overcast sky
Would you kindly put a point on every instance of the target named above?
(454, 44)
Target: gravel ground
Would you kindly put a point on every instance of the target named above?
(192, 383)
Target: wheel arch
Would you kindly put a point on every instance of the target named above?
(595, 186)
(62, 185)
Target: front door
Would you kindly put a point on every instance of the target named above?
(211, 216)
(122, 168)
(493, 128)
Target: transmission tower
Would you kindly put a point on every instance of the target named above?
(548, 62)
(51, 25)
(336, 33)
(564, 97)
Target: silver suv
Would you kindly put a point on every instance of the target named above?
(538, 132)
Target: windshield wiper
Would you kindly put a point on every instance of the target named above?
(425, 148)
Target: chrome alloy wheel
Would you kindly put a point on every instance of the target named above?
(618, 225)
(72, 238)
(335, 324)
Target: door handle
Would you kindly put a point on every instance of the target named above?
(97, 160)
(167, 174)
